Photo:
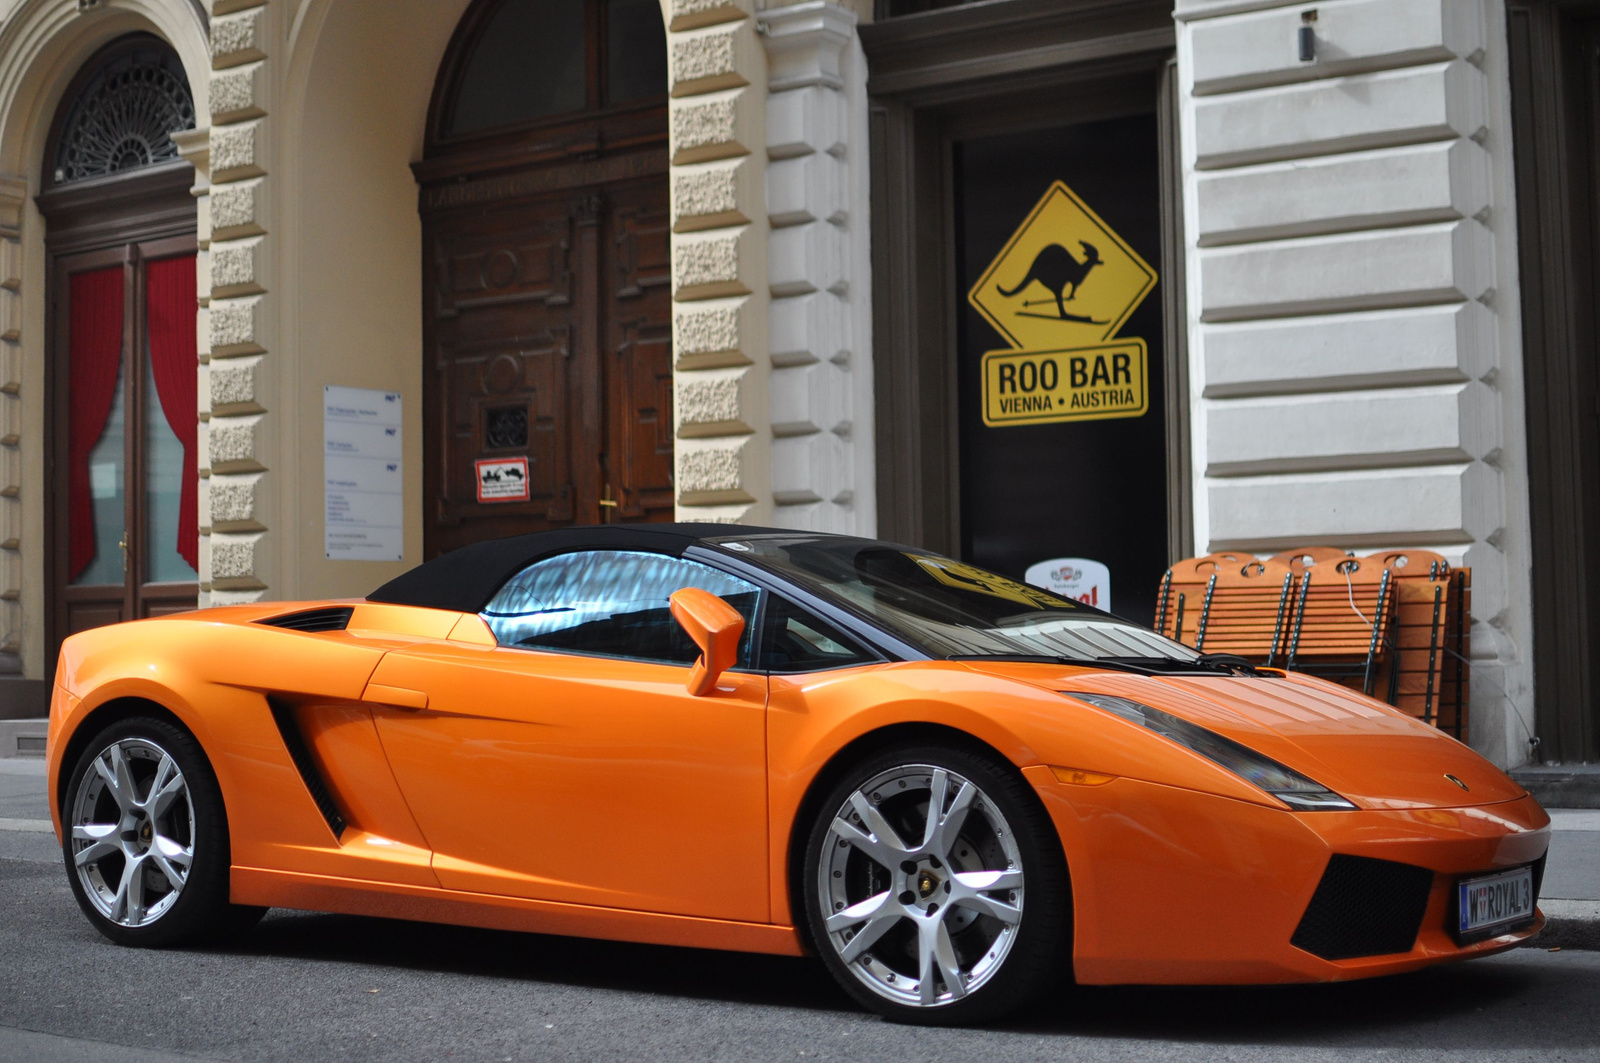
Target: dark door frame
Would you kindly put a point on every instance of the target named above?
(934, 78)
(148, 211)
(1555, 70)
(588, 160)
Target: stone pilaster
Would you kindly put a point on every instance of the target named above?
(717, 72)
(819, 322)
(234, 302)
(13, 193)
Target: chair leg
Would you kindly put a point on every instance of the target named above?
(1277, 625)
(1299, 619)
(1377, 630)
(1205, 613)
(1429, 715)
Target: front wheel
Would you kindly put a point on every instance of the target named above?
(935, 888)
(146, 837)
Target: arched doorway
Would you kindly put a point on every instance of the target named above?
(547, 317)
(121, 350)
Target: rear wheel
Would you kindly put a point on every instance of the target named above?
(935, 888)
(146, 837)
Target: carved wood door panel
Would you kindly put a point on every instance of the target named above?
(638, 343)
(548, 339)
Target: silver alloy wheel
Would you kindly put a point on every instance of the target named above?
(132, 832)
(923, 885)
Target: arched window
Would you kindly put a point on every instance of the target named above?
(523, 61)
(124, 113)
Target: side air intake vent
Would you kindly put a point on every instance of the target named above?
(295, 742)
(1364, 907)
(334, 618)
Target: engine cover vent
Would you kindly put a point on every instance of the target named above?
(333, 618)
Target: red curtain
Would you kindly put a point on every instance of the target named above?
(94, 351)
(174, 358)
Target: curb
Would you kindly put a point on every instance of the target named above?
(1569, 925)
(22, 738)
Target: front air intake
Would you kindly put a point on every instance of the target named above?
(1364, 907)
(333, 618)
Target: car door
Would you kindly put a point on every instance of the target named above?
(567, 761)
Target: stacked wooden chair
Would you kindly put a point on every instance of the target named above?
(1393, 625)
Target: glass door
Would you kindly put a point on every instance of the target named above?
(126, 478)
(1060, 358)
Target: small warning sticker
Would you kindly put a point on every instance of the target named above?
(502, 479)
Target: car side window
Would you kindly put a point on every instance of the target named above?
(614, 603)
(797, 641)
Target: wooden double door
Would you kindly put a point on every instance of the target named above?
(548, 339)
(121, 453)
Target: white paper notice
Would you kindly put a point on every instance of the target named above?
(363, 518)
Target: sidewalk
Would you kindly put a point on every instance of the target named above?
(1570, 896)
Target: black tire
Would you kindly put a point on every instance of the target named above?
(199, 909)
(1038, 953)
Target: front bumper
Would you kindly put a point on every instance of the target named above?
(1175, 887)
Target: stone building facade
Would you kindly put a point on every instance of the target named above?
(1340, 334)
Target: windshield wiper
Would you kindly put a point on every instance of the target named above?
(1136, 665)
(1206, 663)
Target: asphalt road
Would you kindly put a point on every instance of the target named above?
(313, 987)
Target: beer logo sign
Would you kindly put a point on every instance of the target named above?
(1058, 291)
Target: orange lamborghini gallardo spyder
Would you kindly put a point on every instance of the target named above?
(950, 786)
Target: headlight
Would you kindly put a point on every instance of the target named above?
(1284, 783)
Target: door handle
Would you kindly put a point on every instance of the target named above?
(398, 697)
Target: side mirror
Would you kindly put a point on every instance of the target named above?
(716, 628)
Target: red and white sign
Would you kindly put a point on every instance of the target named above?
(502, 479)
(1077, 578)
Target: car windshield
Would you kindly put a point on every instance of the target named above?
(949, 608)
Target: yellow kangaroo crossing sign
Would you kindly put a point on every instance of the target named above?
(1058, 291)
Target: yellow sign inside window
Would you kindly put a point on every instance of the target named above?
(1058, 291)
(966, 577)
(1074, 384)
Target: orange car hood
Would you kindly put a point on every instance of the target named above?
(1363, 749)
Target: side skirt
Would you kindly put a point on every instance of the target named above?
(325, 893)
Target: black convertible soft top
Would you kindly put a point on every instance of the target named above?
(464, 580)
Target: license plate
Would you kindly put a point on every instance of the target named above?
(1495, 900)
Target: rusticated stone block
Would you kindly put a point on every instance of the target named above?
(234, 386)
(238, 38)
(714, 126)
(706, 265)
(714, 195)
(238, 93)
(233, 559)
(236, 268)
(710, 334)
(234, 151)
(233, 444)
(233, 503)
(236, 210)
(235, 326)
(706, 60)
(692, 14)
(711, 472)
(710, 403)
